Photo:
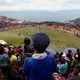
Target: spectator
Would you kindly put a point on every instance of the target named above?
(4, 58)
(13, 57)
(15, 71)
(68, 57)
(37, 67)
(76, 56)
(6, 49)
(60, 55)
(74, 72)
(18, 50)
(63, 68)
(4, 62)
(78, 52)
(26, 50)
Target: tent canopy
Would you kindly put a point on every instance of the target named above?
(66, 50)
(3, 42)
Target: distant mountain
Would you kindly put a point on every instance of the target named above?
(40, 15)
(77, 21)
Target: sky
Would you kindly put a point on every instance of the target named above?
(49, 5)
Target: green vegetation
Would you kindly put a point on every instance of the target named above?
(57, 37)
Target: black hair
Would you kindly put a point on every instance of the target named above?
(1, 50)
(69, 56)
(78, 50)
(10, 53)
(27, 41)
(69, 51)
(27, 48)
(1, 45)
(60, 55)
(5, 45)
(62, 60)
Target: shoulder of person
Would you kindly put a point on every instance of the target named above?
(29, 60)
(14, 56)
(5, 55)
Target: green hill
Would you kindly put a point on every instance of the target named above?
(77, 21)
(59, 38)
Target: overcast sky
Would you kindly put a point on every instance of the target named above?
(49, 5)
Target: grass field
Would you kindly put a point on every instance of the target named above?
(59, 38)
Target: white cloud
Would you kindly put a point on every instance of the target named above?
(10, 1)
(40, 4)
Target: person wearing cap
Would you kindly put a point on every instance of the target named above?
(40, 66)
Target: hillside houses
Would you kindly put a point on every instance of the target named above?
(9, 20)
(10, 23)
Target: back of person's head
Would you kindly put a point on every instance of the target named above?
(12, 52)
(68, 55)
(1, 50)
(1, 45)
(27, 41)
(69, 51)
(40, 41)
(78, 50)
(61, 53)
(62, 60)
(75, 71)
(5, 45)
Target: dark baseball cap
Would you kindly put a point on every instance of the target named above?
(40, 41)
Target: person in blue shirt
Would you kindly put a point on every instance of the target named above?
(40, 66)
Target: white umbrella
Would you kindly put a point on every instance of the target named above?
(2, 42)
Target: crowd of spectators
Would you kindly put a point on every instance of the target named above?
(64, 26)
(35, 62)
